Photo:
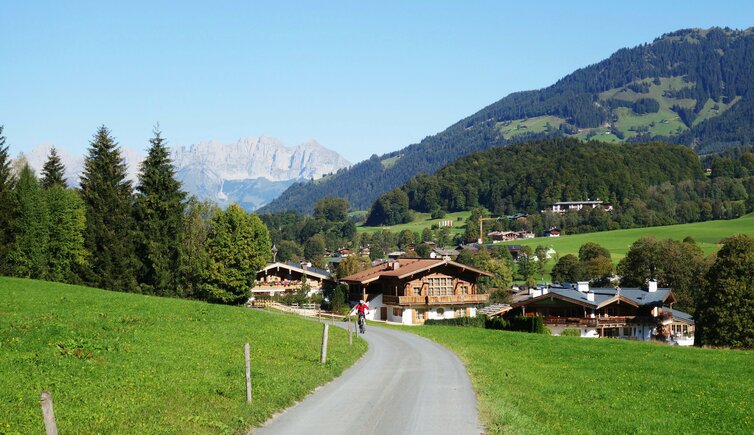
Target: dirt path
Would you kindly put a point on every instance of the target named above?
(404, 384)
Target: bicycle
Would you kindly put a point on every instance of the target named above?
(362, 324)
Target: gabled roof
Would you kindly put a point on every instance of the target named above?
(680, 315)
(297, 267)
(605, 296)
(406, 268)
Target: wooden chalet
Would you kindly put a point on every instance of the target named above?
(412, 290)
(630, 313)
(277, 278)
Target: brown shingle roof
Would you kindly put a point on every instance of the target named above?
(407, 267)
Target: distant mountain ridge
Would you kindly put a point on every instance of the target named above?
(252, 171)
(691, 86)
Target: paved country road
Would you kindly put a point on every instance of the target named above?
(404, 384)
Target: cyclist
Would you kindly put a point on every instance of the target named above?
(362, 310)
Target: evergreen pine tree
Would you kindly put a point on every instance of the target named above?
(53, 171)
(108, 200)
(159, 212)
(67, 254)
(29, 252)
(8, 200)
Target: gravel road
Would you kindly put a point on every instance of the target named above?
(404, 384)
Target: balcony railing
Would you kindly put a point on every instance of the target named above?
(435, 300)
(614, 321)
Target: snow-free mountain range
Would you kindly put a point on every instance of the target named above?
(252, 171)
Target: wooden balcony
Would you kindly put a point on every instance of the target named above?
(607, 322)
(435, 300)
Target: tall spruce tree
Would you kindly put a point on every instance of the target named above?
(67, 254)
(53, 171)
(110, 231)
(28, 254)
(7, 201)
(159, 212)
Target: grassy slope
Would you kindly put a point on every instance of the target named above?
(529, 383)
(707, 235)
(663, 123)
(421, 221)
(122, 363)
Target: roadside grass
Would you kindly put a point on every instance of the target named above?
(125, 363)
(528, 383)
(707, 235)
(421, 221)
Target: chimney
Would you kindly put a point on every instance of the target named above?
(582, 286)
(395, 265)
(652, 285)
(590, 296)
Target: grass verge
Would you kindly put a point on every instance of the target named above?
(124, 363)
(529, 383)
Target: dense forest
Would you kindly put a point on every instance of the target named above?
(648, 184)
(714, 64)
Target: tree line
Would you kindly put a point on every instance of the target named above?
(106, 234)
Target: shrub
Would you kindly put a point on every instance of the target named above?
(533, 324)
(570, 332)
(496, 323)
(474, 322)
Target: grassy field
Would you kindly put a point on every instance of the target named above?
(421, 221)
(537, 124)
(707, 235)
(124, 363)
(528, 383)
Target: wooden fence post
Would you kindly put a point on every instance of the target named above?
(48, 413)
(350, 333)
(247, 357)
(323, 353)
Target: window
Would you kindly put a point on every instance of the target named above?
(440, 311)
(460, 312)
(440, 286)
(417, 291)
(626, 332)
(398, 312)
(464, 290)
(419, 314)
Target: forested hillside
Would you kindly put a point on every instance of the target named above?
(529, 177)
(648, 184)
(689, 86)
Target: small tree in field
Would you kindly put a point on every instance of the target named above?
(239, 245)
(725, 307)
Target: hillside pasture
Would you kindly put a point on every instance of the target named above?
(422, 221)
(126, 363)
(707, 235)
(529, 383)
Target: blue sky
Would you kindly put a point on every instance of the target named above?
(360, 77)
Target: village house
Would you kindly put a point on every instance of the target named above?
(566, 206)
(278, 278)
(412, 290)
(630, 313)
(505, 236)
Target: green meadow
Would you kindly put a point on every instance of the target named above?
(707, 235)
(125, 363)
(421, 221)
(529, 383)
